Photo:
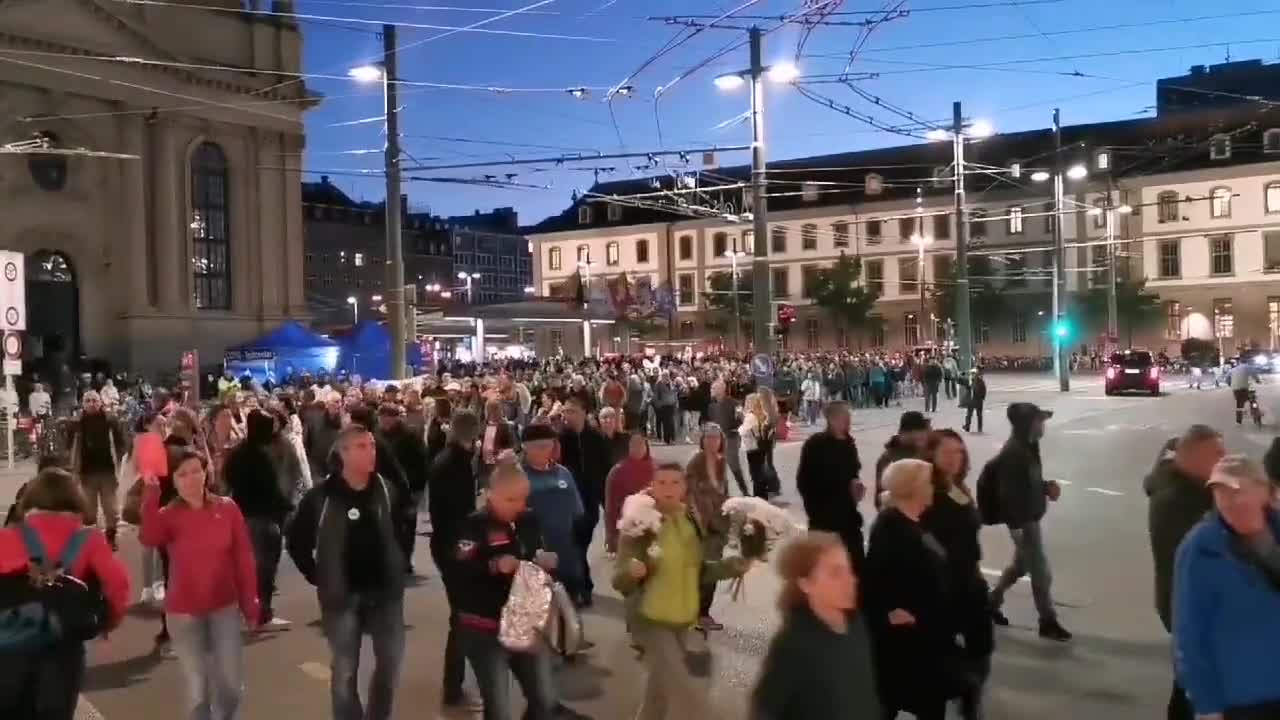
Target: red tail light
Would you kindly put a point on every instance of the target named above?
(1155, 372)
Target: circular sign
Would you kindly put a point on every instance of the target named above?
(13, 345)
(11, 316)
(11, 271)
(762, 364)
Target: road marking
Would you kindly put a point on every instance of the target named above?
(1104, 491)
(316, 671)
(86, 711)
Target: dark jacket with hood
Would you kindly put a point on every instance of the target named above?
(251, 474)
(894, 450)
(813, 672)
(1177, 502)
(318, 437)
(410, 451)
(828, 467)
(588, 456)
(1020, 476)
(450, 500)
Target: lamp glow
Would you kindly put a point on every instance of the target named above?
(981, 129)
(365, 73)
(937, 134)
(1039, 176)
(1124, 209)
(729, 82)
(1077, 172)
(784, 72)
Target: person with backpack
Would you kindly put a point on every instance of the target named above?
(1012, 491)
(87, 593)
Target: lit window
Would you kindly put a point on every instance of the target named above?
(584, 215)
(612, 255)
(210, 228)
(1220, 147)
(359, 260)
(1224, 318)
(1102, 160)
(1099, 217)
(1015, 220)
(1173, 320)
(1220, 202)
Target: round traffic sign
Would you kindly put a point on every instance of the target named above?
(11, 271)
(11, 315)
(12, 345)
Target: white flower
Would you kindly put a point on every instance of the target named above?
(654, 552)
(749, 529)
(640, 516)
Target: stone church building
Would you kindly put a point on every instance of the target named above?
(193, 239)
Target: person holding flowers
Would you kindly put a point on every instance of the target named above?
(708, 491)
(660, 567)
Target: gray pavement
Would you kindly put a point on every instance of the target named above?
(1116, 668)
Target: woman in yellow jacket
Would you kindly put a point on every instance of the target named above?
(661, 574)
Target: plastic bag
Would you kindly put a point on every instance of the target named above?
(564, 631)
(528, 610)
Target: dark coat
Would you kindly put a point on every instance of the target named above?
(588, 456)
(956, 525)
(452, 497)
(1020, 478)
(812, 673)
(828, 465)
(411, 454)
(1177, 503)
(920, 663)
(251, 476)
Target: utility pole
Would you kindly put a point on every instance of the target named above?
(1113, 312)
(762, 331)
(395, 251)
(1060, 363)
(964, 326)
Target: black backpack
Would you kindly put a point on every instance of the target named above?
(988, 491)
(45, 606)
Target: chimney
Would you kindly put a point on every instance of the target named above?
(1197, 69)
(324, 179)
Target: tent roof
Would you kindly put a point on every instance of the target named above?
(289, 336)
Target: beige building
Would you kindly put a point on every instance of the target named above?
(197, 243)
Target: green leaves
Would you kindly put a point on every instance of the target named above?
(838, 290)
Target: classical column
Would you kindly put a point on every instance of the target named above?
(169, 198)
(295, 299)
(131, 259)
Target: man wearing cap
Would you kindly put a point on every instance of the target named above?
(1024, 496)
(554, 499)
(913, 430)
(1226, 599)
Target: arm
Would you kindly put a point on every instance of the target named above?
(156, 530)
(779, 681)
(246, 567)
(1194, 604)
(300, 539)
(727, 568)
(112, 576)
(629, 549)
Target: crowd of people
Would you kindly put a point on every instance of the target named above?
(520, 463)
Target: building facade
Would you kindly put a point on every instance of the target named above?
(1188, 202)
(491, 249)
(192, 239)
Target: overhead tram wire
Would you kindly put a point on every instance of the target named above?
(425, 8)
(843, 13)
(580, 157)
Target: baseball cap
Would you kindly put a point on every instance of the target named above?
(1027, 411)
(1233, 471)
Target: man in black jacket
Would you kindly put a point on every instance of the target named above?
(452, 498)
(586, 453)
(251, 476)
(410, 451)
(345, 540)
(827, 478)
(1024, 495)
(976, 387)
(388, 467)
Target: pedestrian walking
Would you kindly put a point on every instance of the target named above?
(975, 397)
(630, 476)
(828, 479)
(254, 486)
(708, 489)
(723, 411)
(588, 457)
(96, 450)
(913, 432)
(758, 434)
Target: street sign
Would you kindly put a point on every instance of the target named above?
(762, 365)
(12, 353)
(13, 291)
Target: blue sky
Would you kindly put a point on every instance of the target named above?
(1020, 95)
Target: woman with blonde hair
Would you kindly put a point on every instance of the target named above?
(758, 433)
(708, 489)
(820, 664)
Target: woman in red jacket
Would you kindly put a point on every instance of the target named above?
(212, 583)
(46, 685)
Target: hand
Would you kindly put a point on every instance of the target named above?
(858, 490)
(900, 618)
(1053, 490)
(546, 560)
(506, 564)
(637, 570)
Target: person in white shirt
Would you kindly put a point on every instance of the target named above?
(40, 403)
(110, 394)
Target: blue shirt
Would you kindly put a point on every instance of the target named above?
(554, 500)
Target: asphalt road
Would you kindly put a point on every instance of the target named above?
(1117, 667)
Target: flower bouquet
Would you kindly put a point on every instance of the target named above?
(755, 527)
(641, 520)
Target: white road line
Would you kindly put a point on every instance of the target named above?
(1103, 491)
(86, 711)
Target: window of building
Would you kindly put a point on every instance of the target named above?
(1102, 160)
(777, 239)
(584, 254)
(1272, 193)
(943, 267)
(553, 258)
(557, 340)
(1018, 328)
(981, 333)
(1167, 207)
(686, 329)
(911, 329)
(1273, 320)
(1220, 202)
(584, 214)
(941, 176)
(873, 184)
(211, 228)
(876, 334)
(612, 254)
(809, 275)
(1050, 217)
(907, 228)
(1099, 264)
(686, 247)
(908, 276)
(1220, 256)
(684, 288)
(1271, 250)
(359, 260)
(1271, 141)
(1173, 320)
(719, 244)
(942, 226)
(1099, 214)
(809, 192)
(809, 236)
(781, 283)
(1170, 258)
(811, 332)
(978, 224)
(642, 251)
(1015, 220)
(1220, 147)
(871, 228)
(840, 234)
(615, 212)
(842, 337)
(1224, 318)
(875, 276)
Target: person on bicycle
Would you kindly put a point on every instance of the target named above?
(1243, 376)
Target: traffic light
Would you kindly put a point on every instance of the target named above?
(1062, 328)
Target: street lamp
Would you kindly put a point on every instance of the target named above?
(783, 72)
(467, 278)
(529, 290)
(355, 309)
(733, 256)
(921, 241)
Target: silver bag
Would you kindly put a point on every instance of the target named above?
(528, 610)
(564, 631)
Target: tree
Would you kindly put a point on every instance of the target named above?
(987, 302)
(1136, 308)
(719, 300)
(838, 290)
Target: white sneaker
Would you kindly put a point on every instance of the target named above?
(278, 623)
(157, 592)
(148, 596)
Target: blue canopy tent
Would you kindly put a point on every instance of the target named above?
(366, 351)
(289, 349)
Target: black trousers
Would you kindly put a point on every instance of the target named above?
(970, 411)
(757, 466)
(666, 416)
(42, 686)
(584, 533)
(1179, 706)
(455, 663)
(265, 534)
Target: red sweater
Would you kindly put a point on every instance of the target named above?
(96, 559)
(211, 561)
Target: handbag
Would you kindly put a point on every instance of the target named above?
(564, 626)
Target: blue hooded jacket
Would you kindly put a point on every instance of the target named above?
(1226, 622)
(554, 500)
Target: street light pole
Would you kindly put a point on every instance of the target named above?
(395, 251)
(762, 334)
(1060, 363)
(1113, 312)
(920, 241)
(737, 302)
(964, 326)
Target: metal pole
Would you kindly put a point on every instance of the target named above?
(1113, 311)
(964, 326)
(391, 159)
(737, 306)
(1061, 363)
(762, 334)
(920, 279)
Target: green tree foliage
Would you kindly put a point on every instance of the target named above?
(1136, 308)
(718, 299)
(839, 290)
(987, 303)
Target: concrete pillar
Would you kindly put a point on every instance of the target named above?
(478, 349)
(133, 258)
(586, 339)
(172, 235)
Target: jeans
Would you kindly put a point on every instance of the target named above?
(491, 662)
(152, 569)
(811, 410)
(973, 409)
(265, 535)
(692, 420)
(100, 488)
(383, 620)
(666, 421)
(949, 386)
(209, 649)
(1028, 559)
(42, 686)
(580, 583)
(758, 464)
(733, 457)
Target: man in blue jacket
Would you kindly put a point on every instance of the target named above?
(1226, 599)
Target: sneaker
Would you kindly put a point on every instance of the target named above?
(1053, 631)
(707, 623)
(276, 623)
(158, 591)
(999, 617)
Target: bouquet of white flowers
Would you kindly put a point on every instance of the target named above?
(642, 521)
(755, 527)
